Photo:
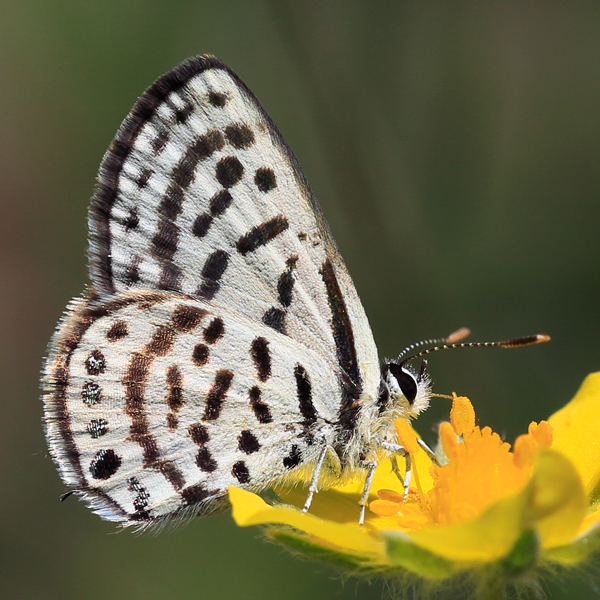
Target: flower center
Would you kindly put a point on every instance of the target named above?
(481, 469)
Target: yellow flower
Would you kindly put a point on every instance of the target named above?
(492, 511)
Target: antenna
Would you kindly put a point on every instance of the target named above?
(539, 338)
(456, 336)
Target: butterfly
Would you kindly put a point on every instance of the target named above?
(221, 341)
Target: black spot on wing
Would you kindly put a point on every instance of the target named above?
(202, 224)
(217, 99)
(220, 202)
(160, 141)
(261, 410)
(143, 178)
(170, 276)
(200, 355)
(183, 114)
(91, 393)
(239, 135)
(212, 271)
(186, 318)
(293, 459)
(95, 363)
(132, 271)
(275, 318)
(97, 427)
(259, 351)
(105, 464)
(175, 388)
(117, 332)
(171, 203)
(304, 393)
(229, 171)
(247, 442)
(262, 234)
(285, 284)
(205, 461)
(165, 240)
(240, 472)
(265, 179)
(198, 433)
(214, 331)
(195, 494)
(217, 394)
(140, 501)
(132, 220)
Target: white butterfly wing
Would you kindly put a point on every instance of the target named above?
(201, 209)
(151, 417)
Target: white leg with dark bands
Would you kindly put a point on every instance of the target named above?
(407, 475)
(313, 487)
(366, 489)
(396, 470)
(429, 452)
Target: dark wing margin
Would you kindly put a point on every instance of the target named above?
(107, 186)
(71, 329)
(81, 314)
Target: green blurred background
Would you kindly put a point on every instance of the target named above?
(455, 149)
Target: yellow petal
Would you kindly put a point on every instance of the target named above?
(582, 546)
(250, 509)
(576, 431)
(552, 502)
(557, 502)
(331, 505)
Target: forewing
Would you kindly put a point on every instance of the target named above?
(200, 195)
(156, 403)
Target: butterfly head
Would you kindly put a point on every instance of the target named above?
(408, 390)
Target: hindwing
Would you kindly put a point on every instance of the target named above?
(159, 402)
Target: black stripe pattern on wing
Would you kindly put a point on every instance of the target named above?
(343, 336)
(212, 271)
(262, 234)
(107, 188)
(274, 317)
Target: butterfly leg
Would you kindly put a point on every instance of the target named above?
(430, 453)
(396, 470)
(396, 449)
(314, 480)
(371, 466)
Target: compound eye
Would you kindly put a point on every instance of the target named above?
(406, 380)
